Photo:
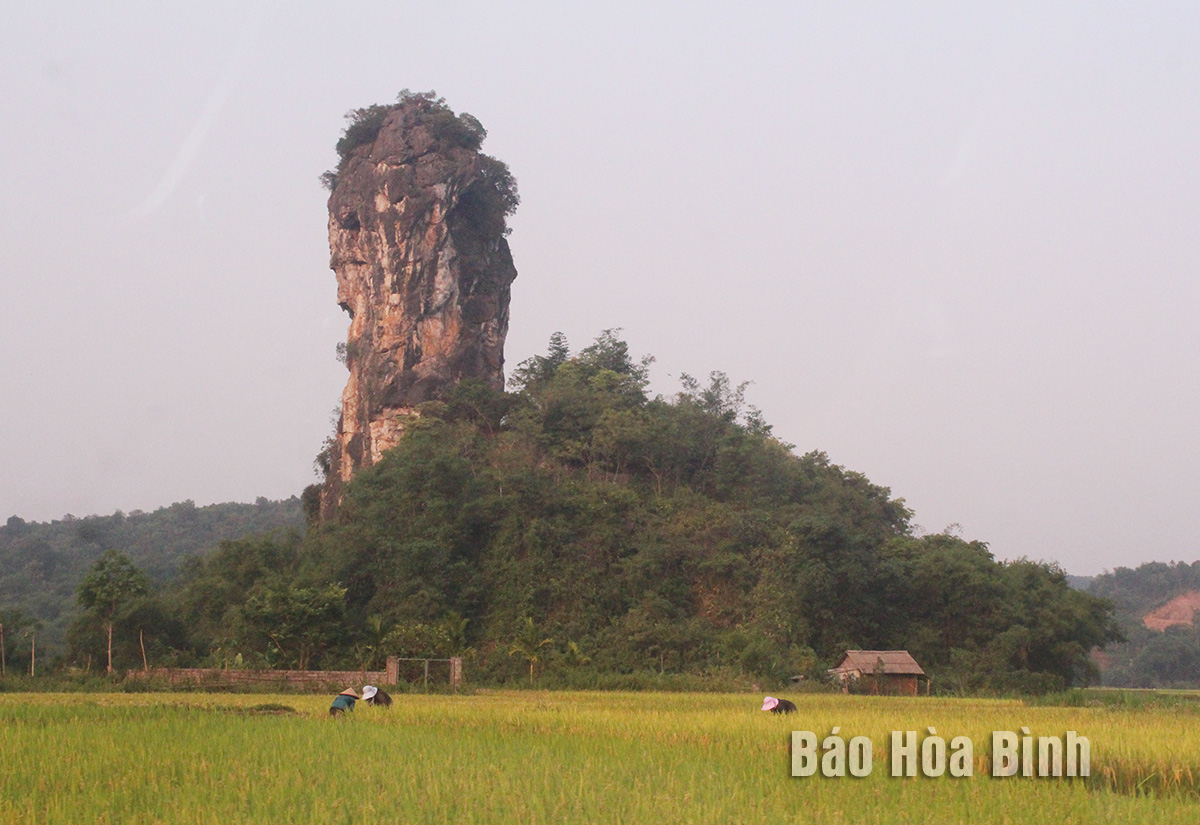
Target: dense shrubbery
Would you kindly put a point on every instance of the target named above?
(637, 535)
(447, 129)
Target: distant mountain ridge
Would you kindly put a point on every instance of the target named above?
(1155, 605)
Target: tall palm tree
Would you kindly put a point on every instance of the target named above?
(529, 644)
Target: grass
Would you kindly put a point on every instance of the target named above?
(554, 758)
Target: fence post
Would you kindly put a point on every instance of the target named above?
(393, 670)
(456, 672)
(427, 675)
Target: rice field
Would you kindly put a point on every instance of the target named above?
(525, 757)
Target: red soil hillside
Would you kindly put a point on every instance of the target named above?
(1179, 610)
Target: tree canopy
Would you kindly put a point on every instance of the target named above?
(580, 528)
(110, 586)
(639, 533)
(42, 563)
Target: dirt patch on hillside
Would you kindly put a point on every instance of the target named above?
(1180, 610)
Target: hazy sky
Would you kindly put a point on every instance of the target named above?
(954, 248)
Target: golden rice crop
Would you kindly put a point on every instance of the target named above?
(556, 758)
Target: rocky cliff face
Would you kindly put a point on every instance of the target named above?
(417, 234)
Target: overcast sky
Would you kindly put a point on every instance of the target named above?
(955, 248)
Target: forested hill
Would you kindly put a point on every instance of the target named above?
(1137, 591)
(41, 563)
(577, 527)
(1167, 654)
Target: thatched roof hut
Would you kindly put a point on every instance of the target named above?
(879, 671)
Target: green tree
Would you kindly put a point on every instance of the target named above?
(370, 648)
(214, 586)
(455, 626)
(539, 369)
(109, 585)
(12, 622)
(301, 622)
(574, 657)
(418, 640)
(528, 645)
(1053, 629)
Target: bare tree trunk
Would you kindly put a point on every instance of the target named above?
(142, 642)
(32, 655)
(3, 664)
(110, 624)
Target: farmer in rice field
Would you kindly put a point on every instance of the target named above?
(778, 705)
(343, 702)
(375, 696)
